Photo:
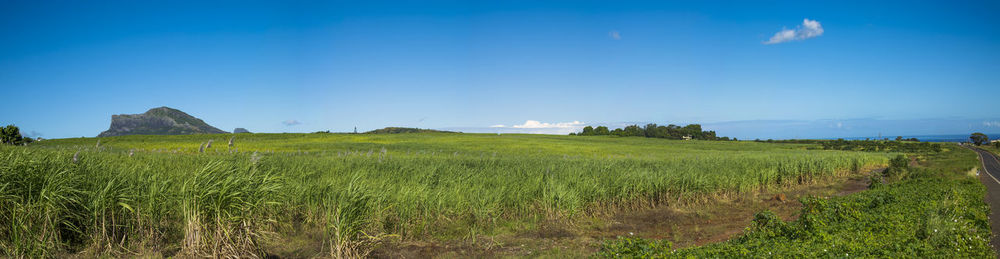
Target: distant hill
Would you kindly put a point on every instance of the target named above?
(397, 130)
(158, 121)
(241, 130)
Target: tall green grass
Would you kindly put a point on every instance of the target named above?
(226, 206)
(358, 189)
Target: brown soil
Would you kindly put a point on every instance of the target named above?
(685, 225)
(722, 219)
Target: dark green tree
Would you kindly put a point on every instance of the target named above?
(11, 135)
(674, 132)
(650, 130)
(979, 138)
(709, 135)
(602, 131)
(633, 131)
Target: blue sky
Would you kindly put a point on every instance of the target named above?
(835, 69)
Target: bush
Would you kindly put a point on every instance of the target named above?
(898, 165)
(900, 162)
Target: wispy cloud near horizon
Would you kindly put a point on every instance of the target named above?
(533, 124)
(808, 29)
(615, 35)
(291, 122)
(538, 127)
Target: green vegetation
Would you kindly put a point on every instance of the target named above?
(692, 131)
(136, 194)
(11, 135)
(979, 138)
(900, 146)
(934, 210)
(995, 148)
(880, 146)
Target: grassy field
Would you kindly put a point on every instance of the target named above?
(990, 148)
(167, 195)
(932, 210)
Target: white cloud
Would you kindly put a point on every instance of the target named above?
(615, 35)
(291, 122)
(991, 124)
(538, 127)
(532, 124)
(808, 29)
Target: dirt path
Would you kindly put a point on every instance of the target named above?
(990, 177)
(684, 225)
(720, 220)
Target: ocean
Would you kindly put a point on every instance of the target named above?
(932, 138)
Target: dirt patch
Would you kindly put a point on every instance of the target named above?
(721, 219)
(415, 250)
(300, 241)
(482, 247)
(858, 183)
(549, 230)
(697, 224)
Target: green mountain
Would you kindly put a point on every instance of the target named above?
(158, 121)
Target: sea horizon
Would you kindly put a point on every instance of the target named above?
(925, 138)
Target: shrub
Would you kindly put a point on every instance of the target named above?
(898, 166)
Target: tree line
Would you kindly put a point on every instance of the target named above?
(905, 145)
(11, 135)
(979, 138)
(692, 131)
(900, 145)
